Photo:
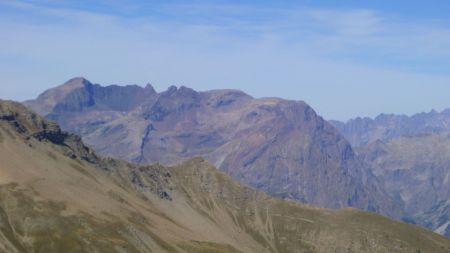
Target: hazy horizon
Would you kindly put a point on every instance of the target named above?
(345, 60)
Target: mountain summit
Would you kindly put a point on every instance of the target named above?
(45, 103)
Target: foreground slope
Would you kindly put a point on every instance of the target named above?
(278, 146)
(57, 195)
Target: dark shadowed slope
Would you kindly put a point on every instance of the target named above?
(279, 146)
(56, 195)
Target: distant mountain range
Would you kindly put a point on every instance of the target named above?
(57, 195)
(411, 157)
(281, 147)
(415, 170)
(363, 131)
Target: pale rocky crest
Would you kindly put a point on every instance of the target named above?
(57, 195)
(279, 146)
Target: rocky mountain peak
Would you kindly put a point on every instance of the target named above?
(76, 82)
(181, 92)
(78, 94)
(60, 92)
(45, 102)
(149, 88)
(171, 89)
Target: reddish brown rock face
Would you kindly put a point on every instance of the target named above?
(279, 146)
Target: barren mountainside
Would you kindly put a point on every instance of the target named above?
(415, 170)
(410, 157)
(57, 195)
(281, 147)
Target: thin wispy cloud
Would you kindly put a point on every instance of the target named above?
(323, 30)
(265, 50)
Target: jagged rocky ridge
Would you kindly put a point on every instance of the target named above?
(279, 146)
(57, 195)
(363, 131)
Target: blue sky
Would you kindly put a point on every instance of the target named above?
(345, 58)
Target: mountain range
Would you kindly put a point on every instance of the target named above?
(363, 131)
(58, 195)
(394, 165)
(410, 155)
(415, 170)
(278, 146)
